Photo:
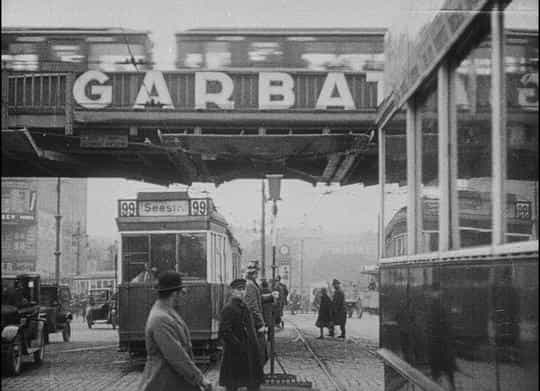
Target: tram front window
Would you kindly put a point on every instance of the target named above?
(192, 255)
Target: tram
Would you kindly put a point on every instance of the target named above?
(75, 49)
(171, 231)
(458, 226)
(346, 49)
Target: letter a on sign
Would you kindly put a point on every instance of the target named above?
(221, 98)
(335, 80)
(267, 90)
(153, 80)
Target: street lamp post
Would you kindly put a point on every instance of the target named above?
(274, 187)
(58, 217)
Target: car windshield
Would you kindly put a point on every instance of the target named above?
(47, 295)
(99, 296)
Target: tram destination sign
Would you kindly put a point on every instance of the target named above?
(163, 208)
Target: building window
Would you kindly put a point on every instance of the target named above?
(430, 190)
(472, 86)
(395, 186)
(521, 83)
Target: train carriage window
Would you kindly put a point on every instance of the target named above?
(265, 53)
(115, 56)
(521, 83)
(192, 254)
(163, 252)
(135, 256)
(217, 55)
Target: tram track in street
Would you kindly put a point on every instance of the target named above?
(321, 364)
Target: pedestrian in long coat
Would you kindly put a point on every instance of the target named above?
(326, 315)
(339, 308)
(241, 364)
(254, 302)
(169, 360)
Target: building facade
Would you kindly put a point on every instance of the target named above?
(29, 226)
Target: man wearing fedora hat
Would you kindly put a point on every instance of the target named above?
(169, 360)
(241, 365)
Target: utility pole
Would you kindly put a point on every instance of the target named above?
(263, 233)
(78, 253)
(58, 217)
(302, 266)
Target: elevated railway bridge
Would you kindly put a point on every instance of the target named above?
(191, 126)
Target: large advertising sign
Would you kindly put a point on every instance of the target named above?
(95, 90)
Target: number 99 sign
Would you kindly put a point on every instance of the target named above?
(198, 207)
(128, 208)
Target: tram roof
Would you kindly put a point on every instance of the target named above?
(71, 30)
(284, 31)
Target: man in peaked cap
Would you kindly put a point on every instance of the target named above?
(169, 361)
(254, 301)
(241, 365)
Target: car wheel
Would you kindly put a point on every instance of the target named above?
(15, 357)
(66, 332)
(38, 355)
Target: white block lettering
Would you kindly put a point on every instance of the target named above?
(267, 89)
(104, 93)
(221, 98)
(335, 80)
(153, 80)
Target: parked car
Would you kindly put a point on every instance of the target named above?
(22, 324)
(56, 305)
(101, 307)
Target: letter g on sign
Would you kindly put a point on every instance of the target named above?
(104, 93)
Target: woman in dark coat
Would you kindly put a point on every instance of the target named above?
(241, 365)
(325, 318)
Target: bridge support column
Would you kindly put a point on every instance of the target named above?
(68, 108)
(5, 94)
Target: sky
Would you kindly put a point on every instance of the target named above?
(348, 210)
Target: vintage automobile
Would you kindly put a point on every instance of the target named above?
(101, 306)
(22, 324)
(55, 304)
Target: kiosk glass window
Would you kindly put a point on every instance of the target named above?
(429, 133)
(521, 83)
(473, 107)
(192, 255)
(395, 186)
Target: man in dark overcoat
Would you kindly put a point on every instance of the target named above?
(254, 301)
(169, 356)
(241, 365)
(339, 308)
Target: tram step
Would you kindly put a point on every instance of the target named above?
(285, 381)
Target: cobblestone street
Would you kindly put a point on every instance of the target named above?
(91, 360)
